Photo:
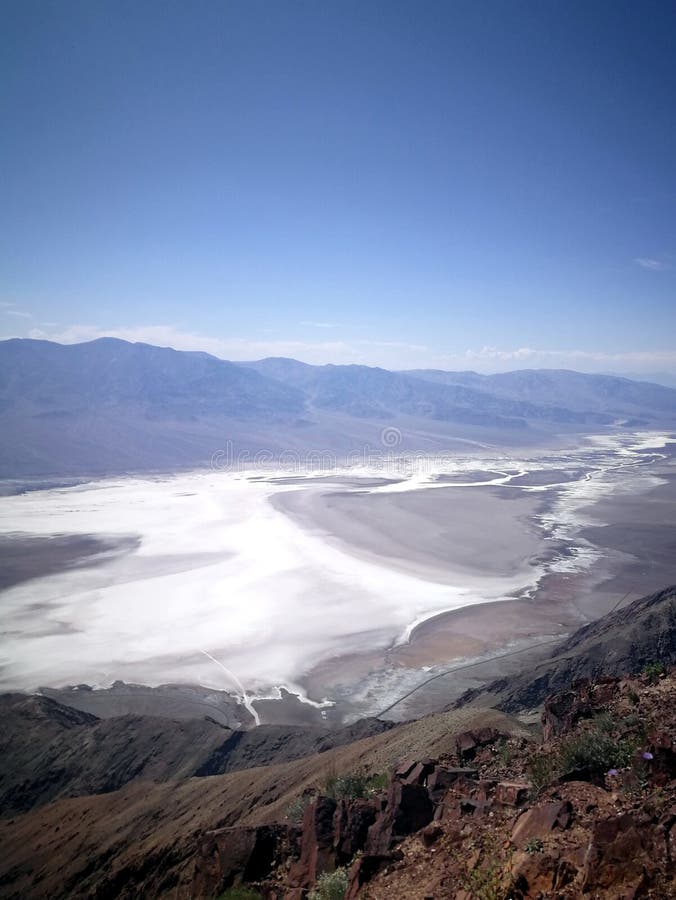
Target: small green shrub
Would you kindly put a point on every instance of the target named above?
(241, 893)
(595, 749)
(534, 845)
(654, 670)
(296, 809)
(540, 772)
(330, 886)
(353, 785)
(505, 752)
(491, 877)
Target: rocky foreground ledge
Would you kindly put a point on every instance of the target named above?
(589, 813)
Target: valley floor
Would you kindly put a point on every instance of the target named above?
(324, 596)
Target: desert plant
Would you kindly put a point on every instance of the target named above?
(296, 809)
(540, 772)
(534, 845)
(490, 877)
(596, 749)
(353, 785)
(330, 886)
(241, 892)
(654, 670)
(505, 752)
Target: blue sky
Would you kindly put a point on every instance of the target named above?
(487, 185)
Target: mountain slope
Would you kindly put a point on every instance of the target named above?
(625, 641)
(364, 392)
(48, 379)
(141, 841)
(564, 389)
(109, 406)
(50, 750)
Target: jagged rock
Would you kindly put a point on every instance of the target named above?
(364, 868)
(351, 822)
(604, 690)
(541, 820)
(404, 768)
(408, 809)
(511, 793)
(443, 777)
(563, 710)
(317, 854)
(537, 875)
(228, 856)
(420, 771)
(467, 743)
(620, 852)
(663, 764)
(431, 834)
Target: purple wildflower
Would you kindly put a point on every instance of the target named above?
(647, 755)
(612, 772)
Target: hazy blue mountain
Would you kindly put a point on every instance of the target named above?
(561, 388)
(56, 379)
(511, 400)
(372, 393)
(112, 406)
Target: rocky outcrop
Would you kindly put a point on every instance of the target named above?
(468, 743)
(231, 856)
(541, 820)
(611, 841)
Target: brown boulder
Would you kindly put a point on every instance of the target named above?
(539, 821)
(317, 851)
(229, 856)
(467, 743)
(443, 777)
(364, 868)
(404, 768)
(419, 773)
(619, 857)
(408, 809)
(351, 822)
(512, 793)
(537, 875)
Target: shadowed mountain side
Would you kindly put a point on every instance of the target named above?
(50, 750)
(625, 641)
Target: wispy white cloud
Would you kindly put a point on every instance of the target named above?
(318, 324)
(10, 309)
(653, 265)
(388, 354)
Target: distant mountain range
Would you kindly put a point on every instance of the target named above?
(112, 406)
